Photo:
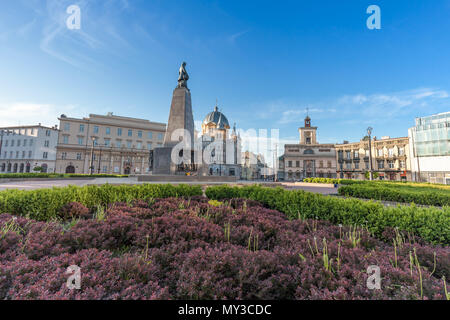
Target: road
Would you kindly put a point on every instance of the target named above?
(39, 184)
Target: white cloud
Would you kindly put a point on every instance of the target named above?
(23, 113)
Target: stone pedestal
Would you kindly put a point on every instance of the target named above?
(181, 119)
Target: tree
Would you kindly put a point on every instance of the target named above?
(375, 175)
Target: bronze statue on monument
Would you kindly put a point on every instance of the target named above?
(183, 76)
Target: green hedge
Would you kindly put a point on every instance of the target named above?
(433, 197)
(44, 204)
(432, 224)
(57, 175)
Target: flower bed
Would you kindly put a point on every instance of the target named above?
(432, 224)
(200, 249)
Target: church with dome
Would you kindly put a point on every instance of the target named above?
(221, 146)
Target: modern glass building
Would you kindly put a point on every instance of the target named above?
(430, 148)
(432, 135)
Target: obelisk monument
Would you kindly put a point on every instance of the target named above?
(180, 126)
(180, 116)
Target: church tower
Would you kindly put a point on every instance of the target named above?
(308, 134)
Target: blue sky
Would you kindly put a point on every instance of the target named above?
(265, 62)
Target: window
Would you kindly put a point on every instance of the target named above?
(289, 163)
(139, 134)
(297, 164)
(391, 152)
(348, 165)
(66, 126)
(308, 151)
(95, 129)
(46, 143)
(47, 132)
(139, 145)
(130, 133)
(402, 164)
(149, 146)
(18, 143)
(66, 139)
(380, 152)
(63, 155)
(401, 151)
(12, 143)
(320, 164)
(17, 154)
(31, 142)
(10, 154)
(150, 135)
(367, 165)
(348, 155)
(128, 144)
(356, 165)
(108, 130)
(329, 164)
(356, 154)
(81, 127)
(80, 141)
(24, 142)
(160, 136)
(32, 131)
(118, 143)
(380, 164)
(23, 154)
(107, 142)
(30, 153)
(6, 143)
(79, 156)
(391, 164)
(119, 131)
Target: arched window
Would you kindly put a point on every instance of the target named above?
(308, 151)
(9, 167)
(44, 167)
(28, 168)
(15, 167)
(3, 167)
(22, 167)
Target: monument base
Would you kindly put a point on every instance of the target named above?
(162, 161)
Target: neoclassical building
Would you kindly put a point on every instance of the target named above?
(24, 148)
(106, 144)
(390, 159)
(308, 158)
(219, 146)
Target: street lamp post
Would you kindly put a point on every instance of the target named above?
(92, 157)
(99, 159)
(369, 132)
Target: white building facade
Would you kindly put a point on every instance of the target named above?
(24, 148)
(430, 148)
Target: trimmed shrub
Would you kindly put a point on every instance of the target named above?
(432, 224)
(433, 197)
(45, 204)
